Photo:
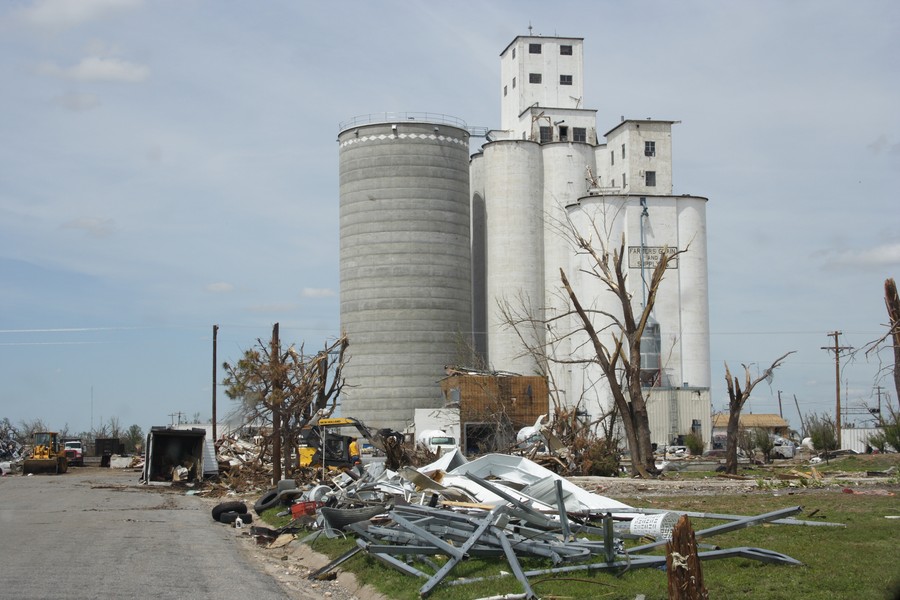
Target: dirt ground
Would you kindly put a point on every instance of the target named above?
(292, 564)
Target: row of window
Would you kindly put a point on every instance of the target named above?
(649, 150)
(564, 50)
(649, 179)
(579, 134)
(537, 78)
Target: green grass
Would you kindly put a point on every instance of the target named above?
(858, 561)
(857, 464)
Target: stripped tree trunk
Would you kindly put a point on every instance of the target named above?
(892, 300)
(683, 568)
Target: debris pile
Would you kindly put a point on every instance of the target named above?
(243, 465)
(12, 453)
(424, 522)
(10, 449)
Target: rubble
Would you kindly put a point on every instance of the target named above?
(12, 454)
(425, 521)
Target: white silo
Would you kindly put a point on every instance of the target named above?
(566, 165)
(513, 186)
(405, 264)
(694, 291)
(649, 224)
(603, 221)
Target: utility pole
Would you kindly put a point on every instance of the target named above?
(780, 412)
(215, 338)
(802, 424)
(275, 396)
(837, 349)
(878, 389)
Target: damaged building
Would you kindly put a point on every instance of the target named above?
(493, 407)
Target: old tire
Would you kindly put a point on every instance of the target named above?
(230, 516)
(266, 501)
(234, 506)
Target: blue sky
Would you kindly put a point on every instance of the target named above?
(171, 165)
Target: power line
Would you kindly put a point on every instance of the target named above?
(837, 349)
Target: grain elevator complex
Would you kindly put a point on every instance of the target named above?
(433, 241)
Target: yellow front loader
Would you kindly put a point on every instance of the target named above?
(46, 455)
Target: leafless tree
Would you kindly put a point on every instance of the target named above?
(593, 443)
(284, 390)
(737, 397)
(618, 359)
(892, 336)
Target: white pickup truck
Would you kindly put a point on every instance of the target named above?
(436, 441)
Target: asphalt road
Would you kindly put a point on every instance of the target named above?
(97, 533)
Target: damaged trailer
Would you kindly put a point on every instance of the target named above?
(177, 455)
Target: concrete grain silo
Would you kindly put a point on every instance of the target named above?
(515, 247)
(405, 261)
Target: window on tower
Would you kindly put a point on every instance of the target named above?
(563, 133)
(514, 83)
(514, 53)
(649, 148)
(565, 50)
(546, 134)
(579, 134)
(565, 80)
(534, 78)
(650, 178)
(534, 48)
(504, 90)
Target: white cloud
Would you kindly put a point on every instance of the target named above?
(97, 68)
(219, 287)
(94, 227)
(63, 14)
(317, 293)
(78, 101)
(272, 308)
(885, 254)
(882, 145)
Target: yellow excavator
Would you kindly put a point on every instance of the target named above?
(46, 455)
(323, 436)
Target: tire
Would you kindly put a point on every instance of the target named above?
(230, 516)
(234, 506)
(266, 501)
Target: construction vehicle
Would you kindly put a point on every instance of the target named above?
(46, 455)
(323, 438)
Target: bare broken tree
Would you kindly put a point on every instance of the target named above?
(892, 302)
(591, 445)
(285, 390)
(737, 397)
(620, 360)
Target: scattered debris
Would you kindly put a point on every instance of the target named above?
(424, 522)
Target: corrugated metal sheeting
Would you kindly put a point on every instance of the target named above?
(857, 438)
(674, 412)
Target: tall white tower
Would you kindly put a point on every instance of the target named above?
(546, 168)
